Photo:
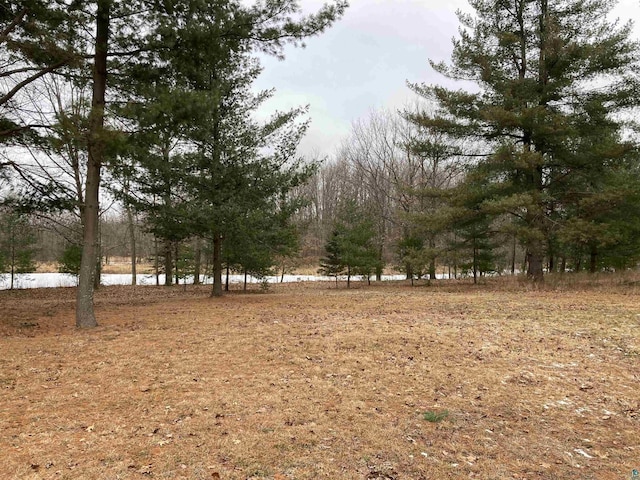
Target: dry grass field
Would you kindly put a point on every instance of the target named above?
(497, 381)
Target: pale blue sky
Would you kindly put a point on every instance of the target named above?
(362, 63)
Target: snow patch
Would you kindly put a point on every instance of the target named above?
(54, 280)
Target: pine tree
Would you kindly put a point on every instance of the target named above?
(351, 250)
(33, 45)
(540, 67)
(256, 238)
(332, 265)
(200, 100)
(603, 219)
(70, 260)
(173, 32)
(409, 251)
(17, 244)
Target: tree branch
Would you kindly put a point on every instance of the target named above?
(14, 23)
(11, 93)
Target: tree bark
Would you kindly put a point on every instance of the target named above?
(168, 263)
(536, 246)
(85, 315)
(132, 240)
(98, 275)
(13, 257)
(593, 260)
(534, 270)
(432, 262)
(475, 262)
(513, 256)
(197, 258)
(536, 249)
(177, 255)
(217, 266)
(156, 263)
(166, 199)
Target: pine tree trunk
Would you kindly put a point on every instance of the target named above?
(166, 202)
(132, 240)
(475, 264)
(156, 262)
(197, 260)
(177, 253)
(13, 260)
(98, 276)
(206, 269)
(85, 315)
(537, 243)
(513, 256)
(168, 263)
(535, 271)
(535, 217)
(217, 266)
(593, 260)
(432, 262)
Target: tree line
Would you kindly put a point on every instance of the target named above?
(531, 165)
(153, 96)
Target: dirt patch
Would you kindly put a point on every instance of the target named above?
(309, 382)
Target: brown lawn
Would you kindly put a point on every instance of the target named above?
(311, 382)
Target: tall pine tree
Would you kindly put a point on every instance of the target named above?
(117, 36)
(539, 66)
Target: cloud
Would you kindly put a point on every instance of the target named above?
(364, 61)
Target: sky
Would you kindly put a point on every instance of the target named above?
(363, 62)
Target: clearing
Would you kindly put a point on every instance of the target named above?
(310, 382)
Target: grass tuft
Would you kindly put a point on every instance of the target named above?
(435, 417)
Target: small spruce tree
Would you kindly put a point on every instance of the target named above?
(331, 265)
